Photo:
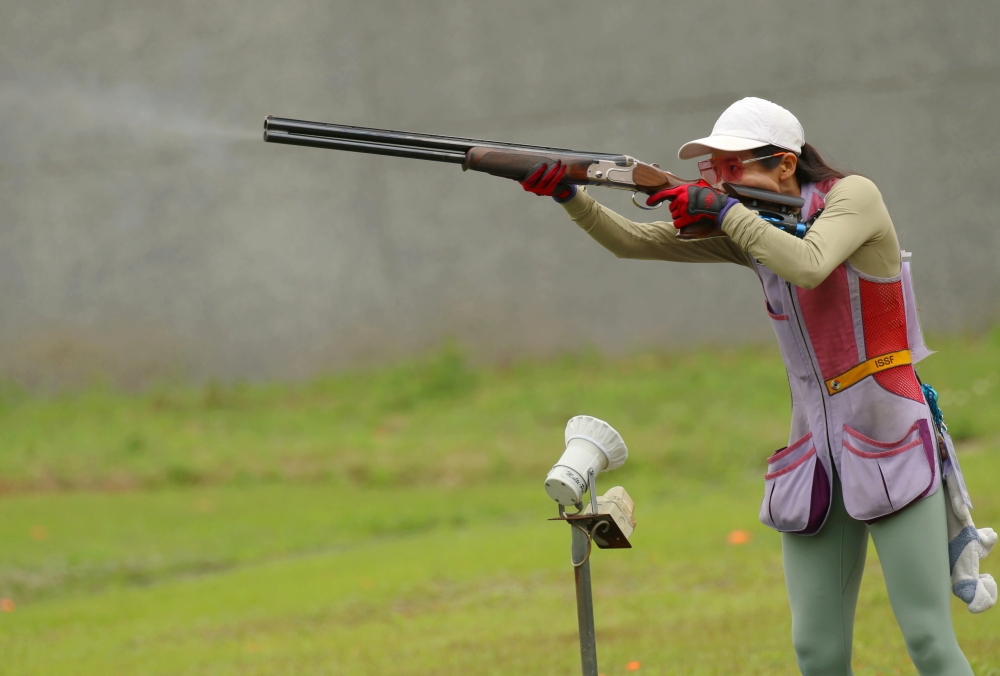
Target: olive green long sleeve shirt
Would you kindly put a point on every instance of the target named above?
(855, 226)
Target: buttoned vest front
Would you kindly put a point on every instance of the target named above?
(849, 346)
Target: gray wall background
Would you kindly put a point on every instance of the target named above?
(146, 231)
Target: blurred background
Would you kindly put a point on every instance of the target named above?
(150, 233)
(278, 410)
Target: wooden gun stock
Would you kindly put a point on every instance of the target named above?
(650, 179)
(517, 164)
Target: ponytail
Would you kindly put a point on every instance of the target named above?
(810, 168)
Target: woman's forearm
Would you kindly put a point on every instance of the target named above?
(646, 241)
(803, 262)
(855, 225)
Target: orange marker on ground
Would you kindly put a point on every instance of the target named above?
(739, 537)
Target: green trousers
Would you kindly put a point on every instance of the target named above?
(823, 576)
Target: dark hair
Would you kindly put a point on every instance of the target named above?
(810, 169)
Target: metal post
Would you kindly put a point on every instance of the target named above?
(584, 603)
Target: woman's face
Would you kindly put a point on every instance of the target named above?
(756, 175)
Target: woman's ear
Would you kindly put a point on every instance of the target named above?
(787, 167)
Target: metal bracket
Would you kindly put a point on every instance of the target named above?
(592, 483)
(602, 529)
(610, 533)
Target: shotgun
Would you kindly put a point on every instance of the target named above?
(516, 161)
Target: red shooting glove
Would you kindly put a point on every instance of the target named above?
(544, 181)
(695, 203)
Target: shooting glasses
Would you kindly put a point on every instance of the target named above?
(728, 169)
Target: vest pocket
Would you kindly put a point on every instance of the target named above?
(881, 478)
(796, 489)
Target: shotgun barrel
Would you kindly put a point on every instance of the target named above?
(497, 158)
(393, 150)
(394, 143)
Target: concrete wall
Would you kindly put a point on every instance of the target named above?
(146, 231)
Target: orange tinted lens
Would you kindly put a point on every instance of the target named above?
(730, 168)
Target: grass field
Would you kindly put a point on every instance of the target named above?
(393, 522)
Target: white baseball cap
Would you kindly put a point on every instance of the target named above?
(749, 123)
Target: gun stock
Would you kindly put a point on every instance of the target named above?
(517, 164)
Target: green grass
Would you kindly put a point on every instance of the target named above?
(434, 422)
(393, 522)
(711, 414)
(314, 592)
(72, 543)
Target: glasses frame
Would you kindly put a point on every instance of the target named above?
(709, 165)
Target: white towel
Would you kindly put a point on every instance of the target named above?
(966, 543)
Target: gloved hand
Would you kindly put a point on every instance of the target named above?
(690, 204)
(541, 180)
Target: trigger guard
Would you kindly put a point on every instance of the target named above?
(643, 206)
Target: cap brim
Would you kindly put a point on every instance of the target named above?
(705, 146)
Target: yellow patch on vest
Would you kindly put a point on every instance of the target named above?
(866, 368)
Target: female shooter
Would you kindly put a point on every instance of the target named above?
(862, 456)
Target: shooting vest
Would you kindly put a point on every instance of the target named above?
(849, 346)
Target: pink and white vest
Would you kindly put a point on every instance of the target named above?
(849, 346)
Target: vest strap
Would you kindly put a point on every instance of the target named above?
(866, 368)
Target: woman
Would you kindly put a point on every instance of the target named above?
(862, 456)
